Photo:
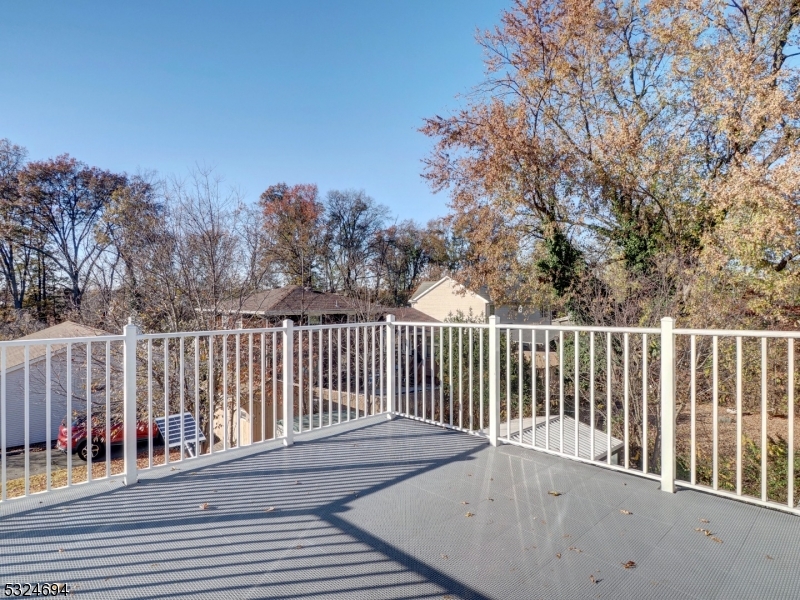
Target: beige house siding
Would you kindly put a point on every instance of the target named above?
(447, 298)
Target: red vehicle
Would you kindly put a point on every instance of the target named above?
(80, 444)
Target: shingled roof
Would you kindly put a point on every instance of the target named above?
(15, 355)
(293, 300)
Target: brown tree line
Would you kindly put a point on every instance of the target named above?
(95, 246)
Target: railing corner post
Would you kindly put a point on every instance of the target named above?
(288, 383)
(390, 367)
(494, 380)
(129, 402)
(667, 405)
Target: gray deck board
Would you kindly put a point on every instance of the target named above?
(375, 509)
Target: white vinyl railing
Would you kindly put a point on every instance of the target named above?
(707, 409)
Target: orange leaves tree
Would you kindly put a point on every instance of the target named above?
(619, 150)
(294, 225)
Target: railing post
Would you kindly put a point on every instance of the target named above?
(494, 380)
(667, 405)
(390, 366)
(288, 383)
(129, 402)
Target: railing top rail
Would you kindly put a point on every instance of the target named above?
(582, 328)
(178, 334)
(739, 333)
(63, 341)
(540, 327)
(340, 325)
(442, 324)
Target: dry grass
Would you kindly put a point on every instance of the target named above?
(58, 478)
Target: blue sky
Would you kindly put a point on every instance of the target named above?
(325, 92)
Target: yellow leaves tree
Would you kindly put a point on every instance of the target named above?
(659, 139)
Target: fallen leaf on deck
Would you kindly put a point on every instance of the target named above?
(629, 565)
(558, 555)
(705, 532)
(60, 549)
(299, 546)
(769, 557)
(270, 509)
(469, 514)
(464, 502)
(554, 493)
(204, 506)
(716, 539)
(574, 549)
(625, 512)
(704, 520)
(592, 579)
(444, 556)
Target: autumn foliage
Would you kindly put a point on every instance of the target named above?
(632, 154)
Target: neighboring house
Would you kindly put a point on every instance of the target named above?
(302, 305)
(446, 298)
(37, 408)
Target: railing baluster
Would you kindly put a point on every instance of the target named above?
(181, 350)
(609, 431)
(481, 399)
(48, 353)
(577, 392)
(645, 409)
(450, 369)
(166, 402)
(349, 397)
(738, 417)
(275, 385)
(300, 393)
(330, 377)
(250, 415)
(591, 396)
(626, 400)
(547, 389)
(441, 375)
(238, 416)
(149, 406)
(310, 379)
(715, 410)
(224, 391)
(561, 391)
(89, 423)
(461, 378)
(69, 412)
(27, 420)
(211, 392)
(508, 382)
(693, 407)
(471, 392)
(407, 343)
(764, 442)
(519, 386)
(790, 421)
(196, 395)
(263, 367)
(534, 383)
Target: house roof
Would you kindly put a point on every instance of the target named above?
(292, 300)
(15, 355)
(427, 286)
(404, 313)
